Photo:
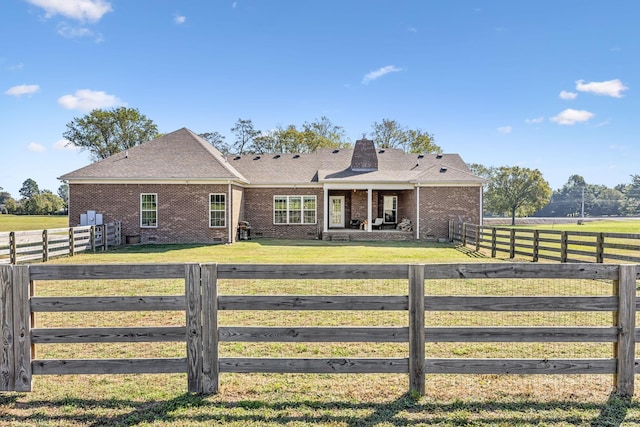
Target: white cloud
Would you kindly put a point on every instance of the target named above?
(70, 32)
(81, 10)
(376, 74)
(534, 121)
(36, 148)
(63, 144)
(571, 117)
(568, 95)
(22, 90)
(505, 129)
(607, 88)
(87, 100)
(179, 19)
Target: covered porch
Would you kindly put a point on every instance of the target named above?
(380, 212)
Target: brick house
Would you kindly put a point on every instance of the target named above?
(179, 189)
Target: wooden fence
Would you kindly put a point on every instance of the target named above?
(202, 333)
(23, 246)
(554, 245)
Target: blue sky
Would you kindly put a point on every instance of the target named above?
(541, 84)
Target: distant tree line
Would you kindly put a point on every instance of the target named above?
(34, 201)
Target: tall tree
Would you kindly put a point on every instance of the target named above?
(63, 192)
(422, 142)
(631, 203)
(217, 140)
(29, 189)
(390, 134)
(245, 135)
(516, 191)
(322, 133)
(107, 132)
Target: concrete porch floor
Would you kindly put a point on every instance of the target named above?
(351, 235)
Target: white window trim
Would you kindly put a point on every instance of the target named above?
(148, 210)
(302, 209)
(224, 210)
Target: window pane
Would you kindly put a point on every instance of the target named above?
(295, 217)
(295, 202)
(310, 202)
(280, 217)
(310, 217)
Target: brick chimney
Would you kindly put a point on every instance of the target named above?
(364, 156)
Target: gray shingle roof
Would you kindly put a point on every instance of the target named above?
(184, 155)
(177, 155)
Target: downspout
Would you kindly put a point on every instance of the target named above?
(369, 206)
(417, 211)
(230, 208)
(481, 221)
(325, 216)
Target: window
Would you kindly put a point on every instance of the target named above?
(294, 209)
(148, 210)
(217, 210)
(391, 209)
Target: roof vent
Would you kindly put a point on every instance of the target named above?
(438, 156)
(336, 151)
(277, 156)
(295, 156)
(443, 169)
(381, 151)
(237, 158)
(256, 158)
(421, 156)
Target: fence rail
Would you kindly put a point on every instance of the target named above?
(202, 333)
(22, 246)
(553, 245)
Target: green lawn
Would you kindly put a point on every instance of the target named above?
(301, 399)
(32, 222)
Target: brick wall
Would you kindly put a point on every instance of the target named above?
(183, 210)
(439, 205)
(258, 210)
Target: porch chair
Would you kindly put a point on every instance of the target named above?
(377, 223)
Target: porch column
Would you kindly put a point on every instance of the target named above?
(418, 212)
(325, 215)
(369, 206)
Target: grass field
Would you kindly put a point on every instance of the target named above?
(32, 222)
(301, 399)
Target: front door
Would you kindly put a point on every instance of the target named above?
(336, 211)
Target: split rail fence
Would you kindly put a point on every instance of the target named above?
(22, 246)
(553, 245)
(202, 332)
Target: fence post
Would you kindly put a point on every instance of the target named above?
(72, 247)
(536, 245)
(416, 329)
(13, 254)
(600, 248)
(512, 243)
(464, 234)
(105, 238)
(493, 242)
(625, 287)
(45, 246)
(210, 373)
(92, 238)
(478, 238)
(7, 361)
(21, 327)
(564, 245)
(194, 327)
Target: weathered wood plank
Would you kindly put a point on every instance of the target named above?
(314, 366)
(312, 271)
(194, 327)
(521, 334)
(621, 246)
(313, 334)
(7, 358)
(621, 257)
(210, 334)
(520, 366)
(139, 303)
(21, 326)
(464, 303)
(626, 323)
(520, 270)
(109, 366)
(307, 302)
(93, 335)
(107, 271)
